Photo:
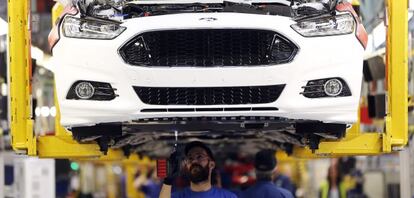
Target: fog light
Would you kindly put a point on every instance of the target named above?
(333, 87)
(327, 87)
(84, 90)
(91, 90)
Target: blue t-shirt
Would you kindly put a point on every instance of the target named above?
(151, 189)
(213, 192)
(265, 189)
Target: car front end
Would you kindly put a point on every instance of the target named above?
(214, 62)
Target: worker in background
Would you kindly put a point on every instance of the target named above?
(198, 166)
(283, 181)
(358, 190)
(265, 165)
(334, 187)
(148, 183)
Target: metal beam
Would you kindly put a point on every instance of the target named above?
(363, 144)
(65, 147)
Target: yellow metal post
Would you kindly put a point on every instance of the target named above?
(22, 133)
(396, 134)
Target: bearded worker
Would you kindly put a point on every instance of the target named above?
(198, 166)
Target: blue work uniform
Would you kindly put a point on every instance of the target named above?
(151, 189)
(213, 192)
(266, 189)
(284, 182)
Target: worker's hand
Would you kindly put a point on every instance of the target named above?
(173, 168)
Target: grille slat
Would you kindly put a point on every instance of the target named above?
(209, 95)
(208, 48)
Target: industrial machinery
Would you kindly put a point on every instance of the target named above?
(62, 145)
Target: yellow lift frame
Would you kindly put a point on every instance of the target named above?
(61, 145)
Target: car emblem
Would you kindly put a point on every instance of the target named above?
(208, 19)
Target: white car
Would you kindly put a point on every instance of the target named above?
(288, 72)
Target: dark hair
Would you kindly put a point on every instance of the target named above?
(265, 160)
(194, 144)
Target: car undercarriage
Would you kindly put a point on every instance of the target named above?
(143, 136)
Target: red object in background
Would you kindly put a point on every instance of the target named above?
(41, 6)
(241, 174)
(364, 115)
(161, 168)
(44, 6)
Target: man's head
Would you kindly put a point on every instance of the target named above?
(265, 164)
(199, 162)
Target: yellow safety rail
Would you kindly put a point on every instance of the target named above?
(355, 143)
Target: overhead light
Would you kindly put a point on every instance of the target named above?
(117, 170)
(42, 71)
(3, 27)
(53, 111)
(3, 89)
(37, 111)
(44, 111)
(39, 93)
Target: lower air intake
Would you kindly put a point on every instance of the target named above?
(209, 95)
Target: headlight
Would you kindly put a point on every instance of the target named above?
(91, 29)
(326, 26)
